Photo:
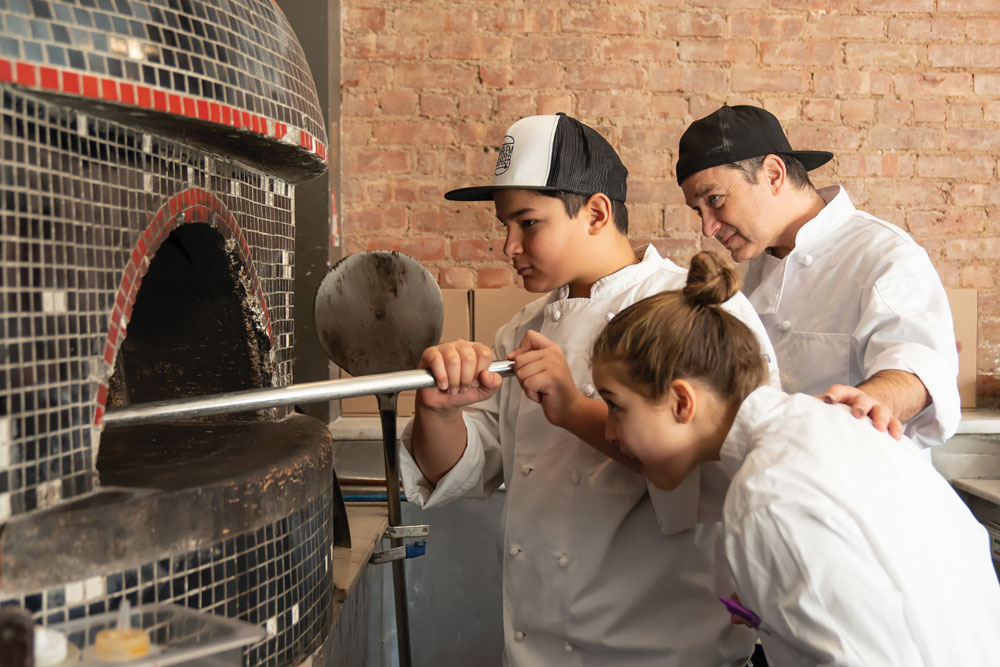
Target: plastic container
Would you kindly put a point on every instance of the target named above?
(177, 635)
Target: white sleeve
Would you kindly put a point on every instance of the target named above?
(906, 325)
(823, 596)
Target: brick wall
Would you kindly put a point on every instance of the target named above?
(905, 92)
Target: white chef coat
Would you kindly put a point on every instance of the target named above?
(849, 545)
(598, 568)
(854, 297)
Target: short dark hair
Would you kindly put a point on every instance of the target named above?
(573, 202)
(797, 174)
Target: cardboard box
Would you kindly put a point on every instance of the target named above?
(457, 324)
(492, 308)
(965, 313)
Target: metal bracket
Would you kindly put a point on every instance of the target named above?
(399, 553)
(399, 532)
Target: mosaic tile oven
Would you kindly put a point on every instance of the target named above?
(149, 153)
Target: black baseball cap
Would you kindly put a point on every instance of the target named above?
(553, 153)
(731, 134)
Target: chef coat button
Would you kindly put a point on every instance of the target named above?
(568, 647)
(785, 325)
(806, 260)
(574, 476)
(515, 550)
(556, 315)
(563, 560)
(611, 316)
(519, 636)
(525, 469)
(588, 390)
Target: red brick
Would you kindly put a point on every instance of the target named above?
(385, 47)
(478, 249)
(752, 79)
(886, 164)
(704, 79)
(667, 78)
(964, 55)
(420, 248)
(987, 84)
(670, 107)
(816, 137)
(863, 54)
(436, 104)
(728, 4)
(358, 161)
(819, 110)
(430, 76)
(849, 26)
(979, 277)
(974, 194)
(801, 53)
(378, 219)
(717, 50)
(358, 105)
(365, 75)
(913, 86)
(894, 112)
(489, 277)
(472, 47)
(552, 47)
(974, 249)
(657, 50)
(503, 19)
(929, 111)
(607, 20)
(907, 193)
(783, 108)
(549, 104)
(412, 18)
(766, 27)
(682, 250)
(648, 190)
(815, 5)
(905, 138)
(858, 83)
(364, 18)
(398, 102)
(515, 105)
(444, 220)
(658, 137)
(947, 223)
(538, 75)
(896, 6)
(412, 132)
(956, 167)
(543, 20)
(991, 112)
(972, 139)
(966, 6)
(456, 277)
(965, 112)
(475, 106)
(687, 24)
(983, 29)
(924, 29)
(604, 77)
(857, 110)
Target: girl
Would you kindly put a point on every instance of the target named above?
(846, 543)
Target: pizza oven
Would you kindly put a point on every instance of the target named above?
(150, 154)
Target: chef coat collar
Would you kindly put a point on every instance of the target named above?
(752, 412)
(619, 281)
(838, 208)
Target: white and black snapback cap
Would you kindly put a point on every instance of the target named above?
(553, 153)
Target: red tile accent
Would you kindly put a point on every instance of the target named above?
(109, 89)
(109, 354)
(236, 118)
(89, 85)
(26, 74)
(126, 281)
(128, 93)
(98, 415)
(113, 331)
(175, 103)
(254, 123)
(120, 301)
(246, 119)
(6, 71)
(142, 246)
(203, 110)
(189, 107)
(144, 95)
(102, 393)
(135, 258)
(50, 78)
(215, 113)
(280, 129)
(71, 83)
(226, 115)
(159, 100)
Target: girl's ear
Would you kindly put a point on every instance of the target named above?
(683, 401)
(599, 211)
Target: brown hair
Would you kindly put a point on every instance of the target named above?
(684, 334)
(573, 202)
(797, 174)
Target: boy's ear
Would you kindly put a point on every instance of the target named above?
(683, 401)
(599, 211)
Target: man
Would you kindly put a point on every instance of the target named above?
(853, 306)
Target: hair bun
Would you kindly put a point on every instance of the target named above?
(710, 280)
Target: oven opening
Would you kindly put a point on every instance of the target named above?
(195, 327)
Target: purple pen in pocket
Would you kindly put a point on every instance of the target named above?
(748, 615)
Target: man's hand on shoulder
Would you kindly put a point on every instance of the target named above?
(863, 405)
(544, 375)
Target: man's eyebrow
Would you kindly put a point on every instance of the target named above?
(704, 190)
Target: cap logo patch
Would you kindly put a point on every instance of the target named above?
(503, 160)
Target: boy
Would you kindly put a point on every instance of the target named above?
(598, 569)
